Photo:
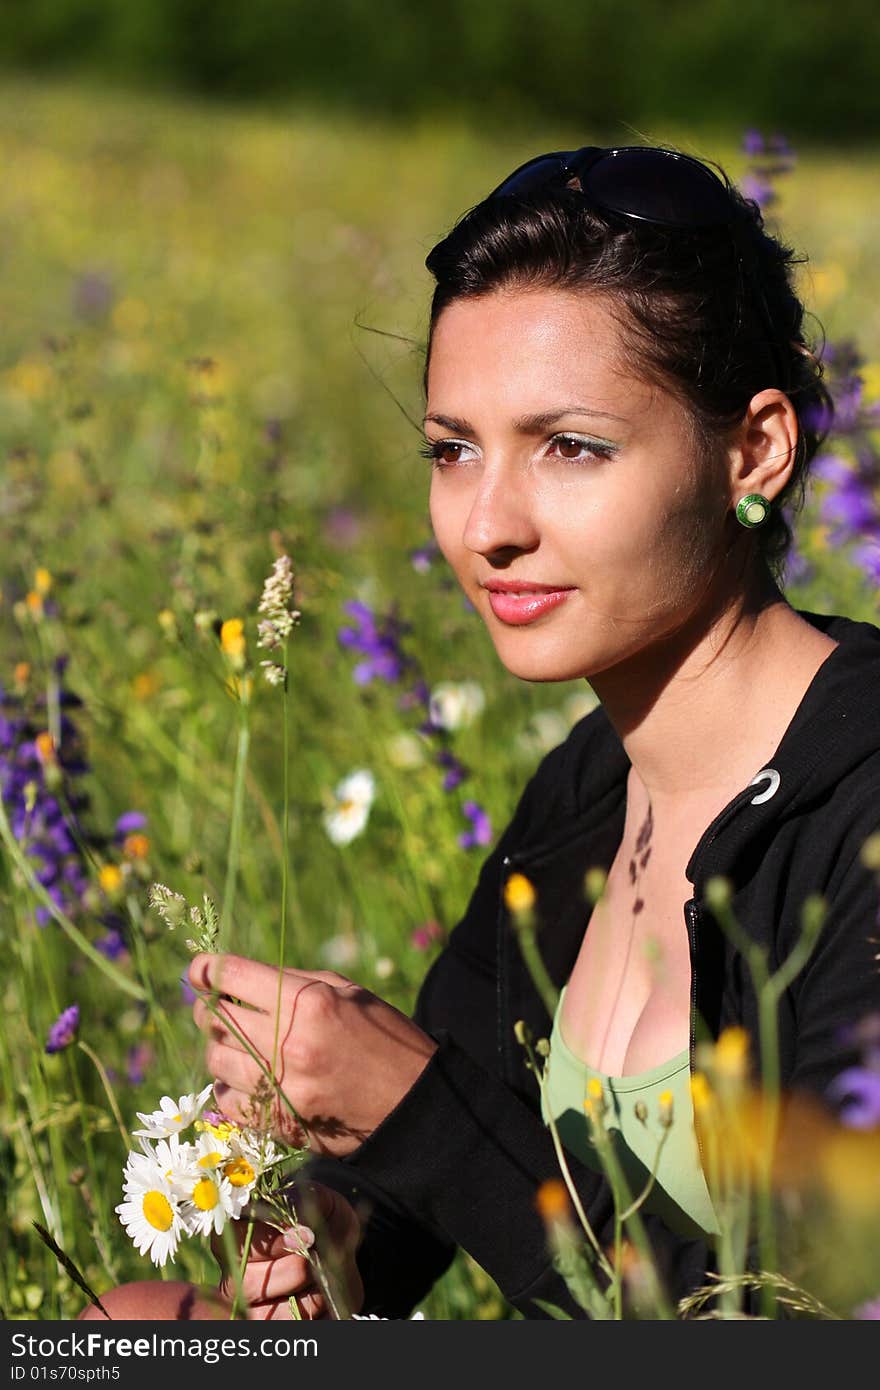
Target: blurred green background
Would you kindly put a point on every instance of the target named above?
(808, 66)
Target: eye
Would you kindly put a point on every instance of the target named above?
(574, 448)
(444, 453)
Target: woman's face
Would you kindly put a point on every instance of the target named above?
(568, 493)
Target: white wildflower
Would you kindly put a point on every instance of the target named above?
(274, 672)
(350, 810)
(173, 1116)
(456, 704)
(277, 604)
(151, 1211)
(339, 952)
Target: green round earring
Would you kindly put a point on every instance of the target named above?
(752, 510)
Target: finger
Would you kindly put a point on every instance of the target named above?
(266, 1242)
(251, 1112)
(233, 1067)
(258, 1028)
(326, 1212)
(312, 1308)
(252, 981)
(266, 1280)
(248, 980)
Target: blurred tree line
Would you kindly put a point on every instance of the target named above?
(809, 67)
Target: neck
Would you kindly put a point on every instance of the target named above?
(700, 712)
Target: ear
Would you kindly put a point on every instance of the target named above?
(763, 449)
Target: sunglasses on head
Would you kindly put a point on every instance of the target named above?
(643, 182)
(650, 184)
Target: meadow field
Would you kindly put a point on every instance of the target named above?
(210, 355)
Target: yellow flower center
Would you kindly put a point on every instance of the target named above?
(205, 1194)
(157, 1210)
(239, 1172)
(210, 1160)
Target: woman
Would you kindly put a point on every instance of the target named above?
(620, 400)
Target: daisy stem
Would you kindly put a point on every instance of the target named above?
(239, 1282)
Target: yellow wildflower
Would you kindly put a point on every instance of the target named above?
(110, 878)
(519, 895)
(45, 745)
(42, 581)
(701, 1093)
(552, 1200)
(664, 1101)
(730, 1058)
(233, 642)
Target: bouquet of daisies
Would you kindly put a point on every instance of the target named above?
(177, 1187)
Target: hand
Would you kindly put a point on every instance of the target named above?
(344, 1060)
(281, 1264)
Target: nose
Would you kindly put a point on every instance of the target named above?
(501, 522)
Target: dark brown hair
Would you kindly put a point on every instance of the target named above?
(711, 314)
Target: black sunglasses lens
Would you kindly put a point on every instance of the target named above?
(536, 174)
(659, 186)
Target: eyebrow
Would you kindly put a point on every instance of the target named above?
(526, 424)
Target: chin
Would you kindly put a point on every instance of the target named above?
(539, 667)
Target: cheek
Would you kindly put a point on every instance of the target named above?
(448, 518)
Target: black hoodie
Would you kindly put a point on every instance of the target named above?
(459, 1160)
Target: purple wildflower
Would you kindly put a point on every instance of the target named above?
(868, 1312)
(128, 823)
(63, 1030)
(769, 158)
(480, 832)
(112, 945)
(850, 509)
(858, 1091)
(378, 639)
(456, 772)
(92, 295)
(423, 557)
(140, 1056)
(186, 989)
(867, 556)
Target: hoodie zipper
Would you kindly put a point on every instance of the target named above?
(692, 917)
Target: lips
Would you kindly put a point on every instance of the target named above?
(516, 605)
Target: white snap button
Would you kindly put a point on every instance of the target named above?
(770, 775)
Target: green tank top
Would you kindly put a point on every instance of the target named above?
(680, 1195)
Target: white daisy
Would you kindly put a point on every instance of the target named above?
(174, 1158)
(208, 1198)
(350, 810)
(259, 1149)
(173, 1116)
(456, 704)
(150, 1212)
